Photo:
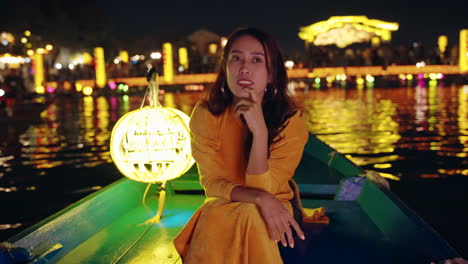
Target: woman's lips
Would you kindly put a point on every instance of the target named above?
(244, 83)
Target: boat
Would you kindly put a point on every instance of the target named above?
(108, 226)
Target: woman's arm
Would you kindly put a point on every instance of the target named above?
(205, 144)
(276, 216)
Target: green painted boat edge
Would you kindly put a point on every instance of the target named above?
(86, 217)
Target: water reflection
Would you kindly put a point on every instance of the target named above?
(368, 124)
(386, 129)
(353, 121)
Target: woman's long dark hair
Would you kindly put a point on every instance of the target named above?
(278, 104)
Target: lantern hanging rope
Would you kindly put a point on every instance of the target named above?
(152, 144)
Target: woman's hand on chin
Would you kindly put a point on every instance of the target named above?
(251, 109)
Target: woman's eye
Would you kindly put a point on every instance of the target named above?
(235, 58)
(257, 60)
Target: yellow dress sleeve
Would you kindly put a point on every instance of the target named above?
(205, 142)
(285, 156)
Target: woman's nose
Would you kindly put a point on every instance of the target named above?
(244, 69)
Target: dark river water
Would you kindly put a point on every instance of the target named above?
(417, 134)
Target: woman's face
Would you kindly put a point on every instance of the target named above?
(246, 68)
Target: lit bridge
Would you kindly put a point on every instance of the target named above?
(323, 72)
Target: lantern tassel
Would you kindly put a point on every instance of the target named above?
(161, 202)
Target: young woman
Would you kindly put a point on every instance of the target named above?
(247, 139)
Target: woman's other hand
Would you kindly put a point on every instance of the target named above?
(278, 219)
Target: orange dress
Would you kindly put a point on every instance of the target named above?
(223, 231)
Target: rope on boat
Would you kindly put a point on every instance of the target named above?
(331, 156)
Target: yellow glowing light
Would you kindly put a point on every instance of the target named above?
(409, 77)
(49, 47)
(78, 87)
(38, 70)
(432, 76)
(28, 45)
(167, 61)
(40, 50)
(40, 89)
(463, 57)
(212, 48)
(183, 57)
(87, 58)
(87, 90)
(382, 166)
(24, 40)
(360, 80)
(27, 33)
(375, 41)
(30, 52)
(389, 176)
(152, 144)
(100, 67)
(123, 54)
(442, 42)
(345, 30)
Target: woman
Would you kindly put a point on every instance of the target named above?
(247, 139)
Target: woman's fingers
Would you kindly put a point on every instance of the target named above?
(289, 235)
(297, 228)
(281, 230)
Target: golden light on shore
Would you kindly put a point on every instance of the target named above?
(38, 70)
(345, 30)
(167, 62)
(49, 47)
(123, 54)
(27, 33)
(463, 58)
(183, 57)
(100, 67)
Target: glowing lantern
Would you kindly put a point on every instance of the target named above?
(152, 144)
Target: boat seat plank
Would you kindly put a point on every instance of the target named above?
(156, 246)
(128, 240)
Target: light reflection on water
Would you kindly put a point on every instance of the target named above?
(372, 126)
(388, 130)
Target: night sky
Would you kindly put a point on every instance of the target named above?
(419, 20)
